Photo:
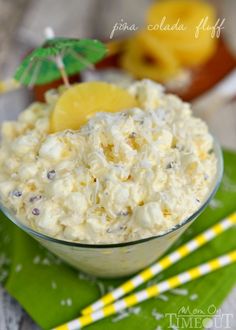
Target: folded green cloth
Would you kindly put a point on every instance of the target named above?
(53, 292)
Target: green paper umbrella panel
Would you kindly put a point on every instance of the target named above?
(59, 57)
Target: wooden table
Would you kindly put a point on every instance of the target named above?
(21, 26)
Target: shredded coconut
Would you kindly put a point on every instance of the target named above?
(91, 185)
(36, 260)
(179, 292)
(125, 313)
(215, 204)
(18, 268)
(163, 297)
(194, 296)
(156, 315)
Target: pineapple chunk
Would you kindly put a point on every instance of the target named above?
(82, 101)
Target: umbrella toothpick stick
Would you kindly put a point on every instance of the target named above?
(49, 33)
(62, 70)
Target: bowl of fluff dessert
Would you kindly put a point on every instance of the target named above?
(106, 177)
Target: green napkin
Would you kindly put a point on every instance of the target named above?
(53, 292)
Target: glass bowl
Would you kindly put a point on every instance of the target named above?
(117, 260)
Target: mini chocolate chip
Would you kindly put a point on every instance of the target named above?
(69, 132)
(210, 151)
(51, 174)
(206, 177)
(17, 193)
(35, 198)
(116, 230)
(35, 211)
(123, 213)
(179, 147)
(198, 200)
(132, 135)
(170, 165)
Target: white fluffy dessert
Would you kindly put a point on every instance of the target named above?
(123, 176)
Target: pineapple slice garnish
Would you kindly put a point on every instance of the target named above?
(81, 101)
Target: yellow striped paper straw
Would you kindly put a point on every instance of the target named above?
(151, 291)
(164, 263)
(8, 85)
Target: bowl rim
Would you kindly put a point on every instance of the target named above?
(215, 185)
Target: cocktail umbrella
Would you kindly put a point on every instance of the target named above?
(58, 57)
